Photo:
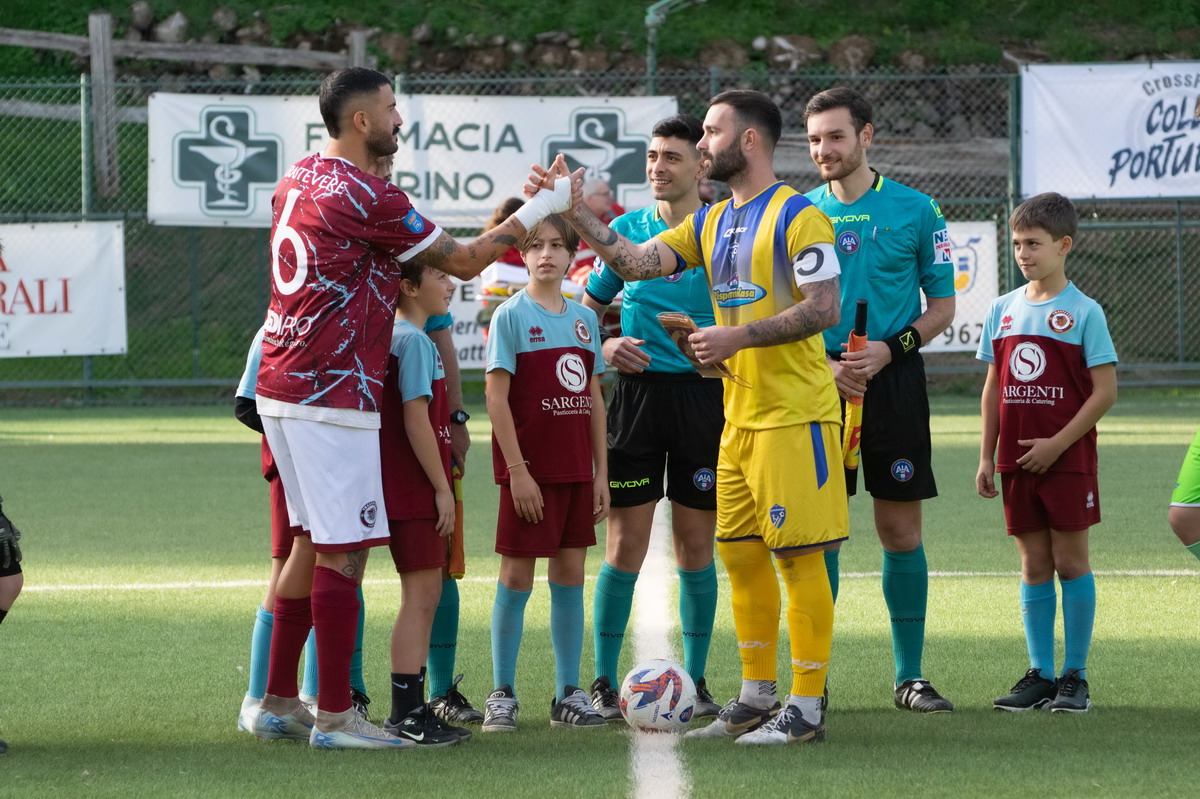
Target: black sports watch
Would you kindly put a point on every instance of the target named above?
(459, 417)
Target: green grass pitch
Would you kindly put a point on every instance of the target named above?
(123, 664)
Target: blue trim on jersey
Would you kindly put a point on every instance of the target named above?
(819, 457)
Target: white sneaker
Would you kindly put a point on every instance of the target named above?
(735, 719)
(349, 730)
(245, 719)
(787, 727)
(294, 725)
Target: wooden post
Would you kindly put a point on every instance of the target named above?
(104, 112)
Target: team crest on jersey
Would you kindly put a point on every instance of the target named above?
(941, 246)
(778, 516)
(367, 514)
(228, 161)
(736, 292)
(536, 334)
(903, 470)
(582, 333)
(704, 479)
(413, 221)
(571, 372)
(1061, 321)
(848, 242)
(1027, 362)
(599, 142)
(675, 278)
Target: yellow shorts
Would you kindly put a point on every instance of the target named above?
(784, 486)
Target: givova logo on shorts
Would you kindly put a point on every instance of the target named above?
(226, 158)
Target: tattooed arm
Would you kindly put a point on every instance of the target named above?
(629, 260)
(820, 309)
(465, 261)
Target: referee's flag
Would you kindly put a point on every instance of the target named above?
(852, 430)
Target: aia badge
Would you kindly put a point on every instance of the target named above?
(582, 333)
(1006, 323)
(536, 334)
(903, 470)
(1060, 321)
(228, 160)
(704, 479)
(848, 242)
(778, 516)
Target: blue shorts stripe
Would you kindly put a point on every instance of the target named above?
(819, 460)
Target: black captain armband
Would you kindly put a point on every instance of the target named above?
(904, 344)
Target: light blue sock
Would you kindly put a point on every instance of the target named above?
(611, 604)
(508, 622)
(260, 652)
(356, 675)
(906, 592)
(1079, 613)
(1039, 604)
(443, 640)
(833, 569)
(697, 609)
(566, 635)
(310, 686)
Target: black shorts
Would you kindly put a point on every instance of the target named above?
(895, 457)
(13, 568)
(659, 422)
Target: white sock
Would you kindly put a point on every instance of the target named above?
(809, 707)
(758, 693)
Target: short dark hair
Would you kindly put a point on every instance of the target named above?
(341, 87)
(1051, 211)
(569, 236)
(679, 126)
(413, 270)
(841, 97)
(753, 110)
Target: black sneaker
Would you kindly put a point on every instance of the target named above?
(920, 696)
(705, 706)
(574, 711)
(421, 727)
(359, 701)
(500, 710)
(605, 700)
(735, 719)
(1072, 695)
(1033, 691)
(453, 708)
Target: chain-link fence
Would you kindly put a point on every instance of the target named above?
(195, 295)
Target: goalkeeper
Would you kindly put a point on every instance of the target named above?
(11, 578)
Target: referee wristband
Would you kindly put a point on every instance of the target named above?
(904, 344)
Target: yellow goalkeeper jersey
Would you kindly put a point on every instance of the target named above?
(758, 257)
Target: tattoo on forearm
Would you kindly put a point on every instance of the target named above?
(820, 310)
(615, 251)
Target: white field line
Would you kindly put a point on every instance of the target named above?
(656, 771)
(668, 575)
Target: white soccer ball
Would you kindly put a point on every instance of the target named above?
(658, 696)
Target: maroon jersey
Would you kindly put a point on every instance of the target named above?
(414, 370)
(336, 236)
(551, 358)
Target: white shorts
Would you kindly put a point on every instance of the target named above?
(331, 478)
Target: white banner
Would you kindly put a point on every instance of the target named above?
(62, 289)
(215, 160)
(974, 255)
(1111, 130)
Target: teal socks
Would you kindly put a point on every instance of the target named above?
(310, 686)
(1079, 613)
(610, 616)
(1194, 549)
(1039, 604)
(833, 569)
(566, 635)
(356, 675)
(260, 652)
(443, 640)
(508, 623)
(697, 609)
(906, 592)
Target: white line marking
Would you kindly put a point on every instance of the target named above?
(669, 575)
(656, 771)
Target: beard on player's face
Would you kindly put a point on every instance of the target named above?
(382, 142)
(727, 163)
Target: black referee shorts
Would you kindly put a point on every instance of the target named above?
(895, 456)
(659, 421)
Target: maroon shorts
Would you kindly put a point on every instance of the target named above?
(566, 522)
(1064, 501)
(416, 545)
(282, 533)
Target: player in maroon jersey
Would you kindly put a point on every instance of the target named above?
(338, 237)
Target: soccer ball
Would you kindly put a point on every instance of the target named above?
(658, 696)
